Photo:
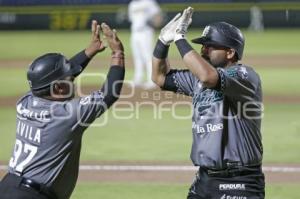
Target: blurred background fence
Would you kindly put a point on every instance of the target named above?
(77, 14)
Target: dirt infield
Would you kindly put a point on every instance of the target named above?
(113, 174)
(278, 173)
(170, 176)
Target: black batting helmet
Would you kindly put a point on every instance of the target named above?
(48, 68)
(222, 34)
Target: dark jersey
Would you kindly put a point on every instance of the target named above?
(48, 139)
(226, 120)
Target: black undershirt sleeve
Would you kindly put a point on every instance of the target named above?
(170, 84)
(113, 85)
(80, 59)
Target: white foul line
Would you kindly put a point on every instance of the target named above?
(273, 169)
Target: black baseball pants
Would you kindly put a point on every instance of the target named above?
(242, 185)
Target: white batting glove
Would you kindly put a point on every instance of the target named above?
(183, 23)
(167, 33)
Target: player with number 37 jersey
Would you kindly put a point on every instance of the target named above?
(51, 121)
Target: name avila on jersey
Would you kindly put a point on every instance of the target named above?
(28, 132)
(207, 128)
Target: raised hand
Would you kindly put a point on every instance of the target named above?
(111, 36)
(183, 23)
(96, 45)
(167, 33)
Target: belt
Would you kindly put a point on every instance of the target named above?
(40, 188)
(31, 184)
(232, 171)
(25, 182)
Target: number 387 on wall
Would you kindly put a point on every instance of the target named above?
(69, 20)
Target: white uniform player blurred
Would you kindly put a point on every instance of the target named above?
(144, 15)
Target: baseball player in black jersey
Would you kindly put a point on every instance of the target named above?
(226, 97)
(51, 122)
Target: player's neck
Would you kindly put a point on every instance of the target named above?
(230, 63)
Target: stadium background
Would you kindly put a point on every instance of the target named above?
(141, 136)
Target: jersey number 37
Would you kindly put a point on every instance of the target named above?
(28, 153)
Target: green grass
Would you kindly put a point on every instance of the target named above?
(166, 139)
(8, 132)
(280, 81)
(30, 44)
(129, 191)
(280, 191)
(13, 81)
(163, 191)
(272, 42)
(139, 139)
(281, 131)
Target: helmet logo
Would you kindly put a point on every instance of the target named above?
(205, 31)
(30, 84)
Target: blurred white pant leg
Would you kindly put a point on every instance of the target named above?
(137, 58)
(148, 51)
(142, 48)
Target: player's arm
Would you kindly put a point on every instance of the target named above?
(160, 63)
(179, 81)
(114, 82)
(92, 106)
(96, 45)
(199, 67)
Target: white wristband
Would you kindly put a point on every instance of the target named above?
(179, 36)
(163, 41)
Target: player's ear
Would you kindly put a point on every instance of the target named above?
(230, 53)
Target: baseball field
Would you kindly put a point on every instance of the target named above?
(140, 148)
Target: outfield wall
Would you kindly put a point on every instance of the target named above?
(78, 17)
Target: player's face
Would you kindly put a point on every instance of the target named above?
(215, 55)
